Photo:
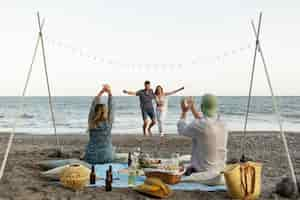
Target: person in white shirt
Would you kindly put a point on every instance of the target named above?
(209, 141)
(161, 101)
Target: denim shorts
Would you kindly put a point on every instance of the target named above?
(149, 112)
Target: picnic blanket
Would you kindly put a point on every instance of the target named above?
(121, 180)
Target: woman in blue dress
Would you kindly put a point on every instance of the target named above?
(99, 149)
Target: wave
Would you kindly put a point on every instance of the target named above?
(2, 116)
(27, 116)
(63, 124)
(78, 126)
(296, 115)
(232, 113)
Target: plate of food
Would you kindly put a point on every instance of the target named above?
(166, 174)
(149, 163)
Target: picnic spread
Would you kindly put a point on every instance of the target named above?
(156, 177)
(121, 179)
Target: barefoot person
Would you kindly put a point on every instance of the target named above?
(162, 106)
(99, 149)
(146, 96)
(209, 138)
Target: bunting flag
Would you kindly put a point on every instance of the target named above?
(135, 67)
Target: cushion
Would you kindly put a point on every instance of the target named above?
(51, 164)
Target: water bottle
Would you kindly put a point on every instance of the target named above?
(131, 177)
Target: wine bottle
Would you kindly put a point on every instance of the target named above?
(108, 182)
(110, 173)
(93, 176)
(129, 160)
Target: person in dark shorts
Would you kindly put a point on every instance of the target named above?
(146, 96)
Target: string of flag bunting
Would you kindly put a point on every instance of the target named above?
(82, 52)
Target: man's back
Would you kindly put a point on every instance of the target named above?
(209, 137)
(214, 143)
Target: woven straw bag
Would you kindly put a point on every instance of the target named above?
(243, 180)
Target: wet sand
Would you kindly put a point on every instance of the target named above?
(22, 180)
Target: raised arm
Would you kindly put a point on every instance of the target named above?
(93, 105)
(174, 92)
(192, 129)
(110, 107)
(196, 114)
(183, 128)
(129, 92)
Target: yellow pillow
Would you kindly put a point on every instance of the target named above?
(75, 176)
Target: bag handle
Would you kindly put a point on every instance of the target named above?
(245, 170)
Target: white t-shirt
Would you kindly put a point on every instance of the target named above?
(209, 140)
(161, 102)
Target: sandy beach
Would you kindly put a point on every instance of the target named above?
(22, 180)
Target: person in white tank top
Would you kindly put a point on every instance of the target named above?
(161, 101)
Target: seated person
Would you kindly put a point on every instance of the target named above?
(209, 141)
(99, 149)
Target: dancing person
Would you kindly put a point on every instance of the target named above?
(146, 97)
(100, 120)
(162, 106)
(209, 141)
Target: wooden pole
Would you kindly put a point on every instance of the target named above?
(30, 69)
(250, 89)
(12, 134)
(32, 60)
(48, 85)
(277, 111)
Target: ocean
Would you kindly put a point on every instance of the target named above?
(71, 114)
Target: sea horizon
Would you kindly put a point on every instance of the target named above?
(71, 114)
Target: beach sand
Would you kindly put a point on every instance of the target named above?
(22, 180)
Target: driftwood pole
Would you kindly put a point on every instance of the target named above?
(250, 89)
(21, 107)
(48, 85)
(277, 111)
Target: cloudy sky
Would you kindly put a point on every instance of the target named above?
(207, 46)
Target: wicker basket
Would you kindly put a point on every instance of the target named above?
(167, 177)
(75, 176)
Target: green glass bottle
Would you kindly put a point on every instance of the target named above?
(131, 177)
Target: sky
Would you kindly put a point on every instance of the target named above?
(206, 46)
